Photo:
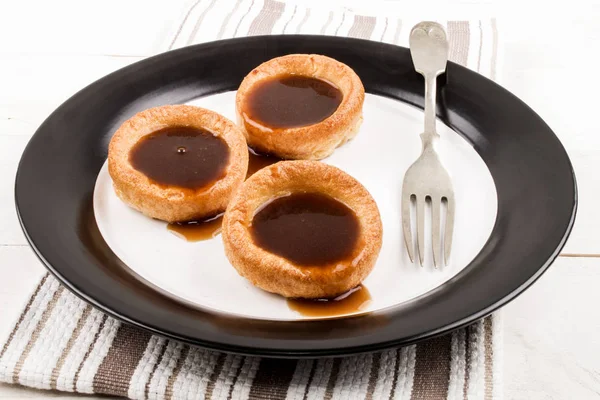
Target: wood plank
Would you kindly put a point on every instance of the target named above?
(24, 269)
(30, 93)
(548, 83)
(551, 335)
(107, 27)
(11, 148)
(584, 238)
(21, 265)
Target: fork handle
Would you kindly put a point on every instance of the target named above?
(429, 135)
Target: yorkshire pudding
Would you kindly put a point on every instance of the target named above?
(302, 229)
(177, 163)
(300, 106)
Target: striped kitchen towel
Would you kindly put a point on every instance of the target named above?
(59, 342)
(473, 43)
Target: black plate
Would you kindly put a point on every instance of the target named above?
(537, 196)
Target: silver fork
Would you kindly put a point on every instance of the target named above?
(427, 179)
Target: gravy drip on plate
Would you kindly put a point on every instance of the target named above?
(350, 302)
(195, 231)
(258, 161)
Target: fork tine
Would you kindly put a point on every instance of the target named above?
(436, 205)
(421, 228)
(408, 239)
(449, 228)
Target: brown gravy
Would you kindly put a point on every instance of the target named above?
(348, 303)
(308, 229)
(289, 101)
(257, 161)
(181, 156)
(194, 231)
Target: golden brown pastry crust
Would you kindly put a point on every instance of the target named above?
(276, 274)
(311, 142)
(172, 203)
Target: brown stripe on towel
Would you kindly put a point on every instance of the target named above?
(187, 15)
(227, 18)
(23, 314)
(335, 369)
(374, 375)
(489, 358)
(432, 369)
(290, 20)
(458, 39)
(267, 18)
(273, 378)
(241, 19)
(115, 372)
(300, 379)
(397, 32)
(341, 23)
(384, 29)
(494, 49)
(229, 374)
(36, 333)
(387, 364)
(173, 378)
(210, 387)
(199, 22)
(89, 351)
(329, 19)
(245, 377)
(306, 16)
(161, 354)
(238, 372)
(74, 336)
(311, 376)
(396, 370)
(362, 27)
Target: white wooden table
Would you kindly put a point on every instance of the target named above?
(50, 50)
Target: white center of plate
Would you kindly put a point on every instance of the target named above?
(199, 274)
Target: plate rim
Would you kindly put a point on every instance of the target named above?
(243, 349)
